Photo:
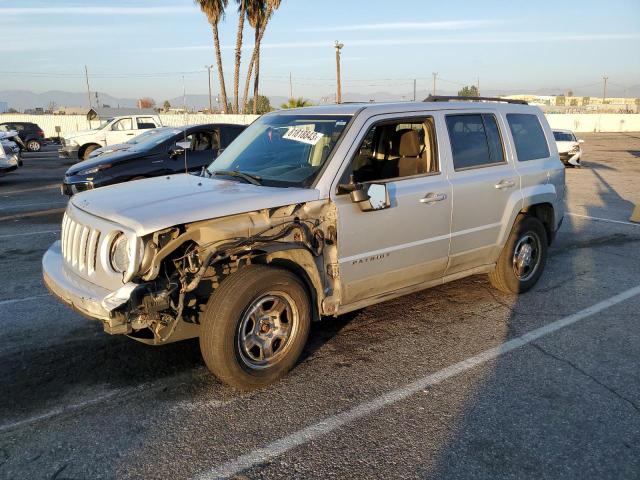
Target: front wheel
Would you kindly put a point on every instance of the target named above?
(255, 326)
(34, 145)
(523, 257)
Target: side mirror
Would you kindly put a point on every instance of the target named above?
(179, 149)
(374, 196)
(580, 141)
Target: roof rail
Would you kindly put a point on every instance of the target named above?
(446, 98)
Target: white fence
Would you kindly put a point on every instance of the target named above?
(606, 122)
(72, 123)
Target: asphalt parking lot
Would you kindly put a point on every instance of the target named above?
(447, 383)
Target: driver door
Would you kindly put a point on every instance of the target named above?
(121, 131)
(407, 244)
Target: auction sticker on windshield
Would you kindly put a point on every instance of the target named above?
(301, 135)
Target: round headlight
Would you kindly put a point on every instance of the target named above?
(119, 253)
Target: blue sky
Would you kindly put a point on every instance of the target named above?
(541, 46)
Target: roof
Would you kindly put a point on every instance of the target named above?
(100, 112)
(374, 108)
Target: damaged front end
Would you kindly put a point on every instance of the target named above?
(183, 265)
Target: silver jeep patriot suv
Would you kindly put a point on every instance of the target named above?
(314, 212)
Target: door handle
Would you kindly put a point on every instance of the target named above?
(129, 134)
(433, 197)
(505, 184)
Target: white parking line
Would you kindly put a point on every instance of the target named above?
(24, 299)
(600, 219)
(329, 424)
(63, 410)
(21, 205)
(35, 189)
(29, 233)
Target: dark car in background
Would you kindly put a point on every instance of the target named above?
(30, 134)
(168, 151)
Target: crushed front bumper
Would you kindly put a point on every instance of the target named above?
(571, 158)
(85, 297)
(69, 151)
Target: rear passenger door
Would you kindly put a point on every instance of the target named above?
(407, 244)
(535, 157)
(485, 187)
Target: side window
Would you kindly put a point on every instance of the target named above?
(145, 123)
(202, 141)
(475, 140)
(396, 149)
(122, 124)
(528, 136)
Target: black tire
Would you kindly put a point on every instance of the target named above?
(34, 145)
(505, 276)
(228, 310)
(88, 150)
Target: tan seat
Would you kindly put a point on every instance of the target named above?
(409, 150)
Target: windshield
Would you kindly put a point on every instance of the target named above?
(104, 123)
(564, 137)
(148, 134)
(283, 150)
(154, 137)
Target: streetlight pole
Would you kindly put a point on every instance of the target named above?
(86, 76)
(604, 90)
(209, 67)
(338, 47)
(435, 75)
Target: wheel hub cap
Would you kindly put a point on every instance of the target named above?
(266, 329)
(526, 256)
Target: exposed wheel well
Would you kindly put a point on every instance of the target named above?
(299, 272)
(546, 214)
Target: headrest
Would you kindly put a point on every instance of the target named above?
(409, 144)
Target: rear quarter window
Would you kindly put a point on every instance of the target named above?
(528, 136)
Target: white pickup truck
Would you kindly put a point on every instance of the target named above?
(79, 145)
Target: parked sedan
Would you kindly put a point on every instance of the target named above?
(568, 147)
(171, 150)
(30, 133)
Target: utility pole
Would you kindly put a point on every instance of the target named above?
(478, 86)
(414, 89)
(290, 86)
(86, 76)
(604, 90)
(209, 67)
(435, 75)
(338, 47)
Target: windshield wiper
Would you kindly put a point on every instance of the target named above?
(250, 178)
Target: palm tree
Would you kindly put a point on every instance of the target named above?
(296, 103)
(256, 10)
(214, 10)
(242, 9)
(259, 13)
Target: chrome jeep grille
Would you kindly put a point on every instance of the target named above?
(80, 245)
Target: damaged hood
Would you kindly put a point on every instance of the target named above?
(156, 203)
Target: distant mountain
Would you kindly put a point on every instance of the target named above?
(23, 99)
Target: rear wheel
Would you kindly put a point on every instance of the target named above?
(255, 326)
(34, 145)
(523, 257)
